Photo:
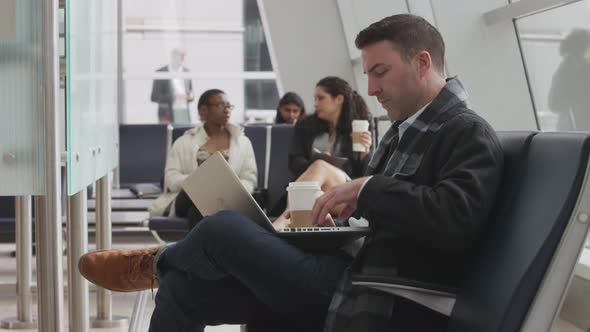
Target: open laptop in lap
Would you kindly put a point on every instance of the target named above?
(213, 187)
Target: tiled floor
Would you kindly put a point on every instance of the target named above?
(122, 302)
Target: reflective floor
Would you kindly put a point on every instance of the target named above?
(122, 302)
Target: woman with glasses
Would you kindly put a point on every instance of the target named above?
(189, 151)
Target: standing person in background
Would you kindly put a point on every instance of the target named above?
(290, 109)
(568, 96)
(329, 130)
(173, 95)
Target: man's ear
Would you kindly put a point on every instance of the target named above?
(423, 63)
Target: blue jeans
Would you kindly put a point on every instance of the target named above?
(230, 270)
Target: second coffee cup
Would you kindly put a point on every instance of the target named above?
(358, 127)
(302, 196)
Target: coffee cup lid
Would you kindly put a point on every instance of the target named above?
(304, 185)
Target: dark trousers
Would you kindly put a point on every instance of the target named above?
(229, 270)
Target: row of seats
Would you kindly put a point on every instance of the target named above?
(144, 148)
(538, 227)
(142, 159)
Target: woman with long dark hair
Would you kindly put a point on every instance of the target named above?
(329, 130)
(321, 149)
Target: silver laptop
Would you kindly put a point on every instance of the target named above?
(214, 187)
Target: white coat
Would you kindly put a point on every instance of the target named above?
(182, 161)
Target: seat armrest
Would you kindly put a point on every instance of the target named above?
(439, 298)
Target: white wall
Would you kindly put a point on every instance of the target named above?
(307, 42)
(356, 16)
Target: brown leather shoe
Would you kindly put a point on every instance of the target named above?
(120, 270)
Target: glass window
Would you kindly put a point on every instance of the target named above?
(175, 50)
(555, 46)
(260, 95)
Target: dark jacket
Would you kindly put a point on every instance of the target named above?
(300, 154)
(427, 207)
(163, 93)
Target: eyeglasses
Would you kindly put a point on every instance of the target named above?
(222, 106)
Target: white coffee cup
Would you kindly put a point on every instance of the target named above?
(359, 127)
(302, 196)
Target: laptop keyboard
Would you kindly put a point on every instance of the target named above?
(310, 229)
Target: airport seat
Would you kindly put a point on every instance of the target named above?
(507, 287)
(179, 129)
(260, 142)
(523, 252)
(279, 174)
(142, 153)
(7, 219)
(168, 229)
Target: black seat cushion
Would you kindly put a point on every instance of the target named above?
(257, 135)
(179, 130)
(279, 174)
(540, 187)
(169, 229)
(142, 153)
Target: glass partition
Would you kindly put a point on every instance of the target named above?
(556, 51)
(91, 91)
(22, 134)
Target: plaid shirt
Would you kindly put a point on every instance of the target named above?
(356, 308)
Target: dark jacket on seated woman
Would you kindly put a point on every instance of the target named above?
(327, 133)
(302, 152)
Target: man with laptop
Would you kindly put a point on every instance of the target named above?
(429, 190)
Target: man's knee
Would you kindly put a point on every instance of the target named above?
(219, 225)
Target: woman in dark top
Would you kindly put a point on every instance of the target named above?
(290, 109)
(321, 149)
(327, 132)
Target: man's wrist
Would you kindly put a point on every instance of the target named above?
(363, 186)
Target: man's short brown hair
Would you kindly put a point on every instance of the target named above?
(409, 34)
